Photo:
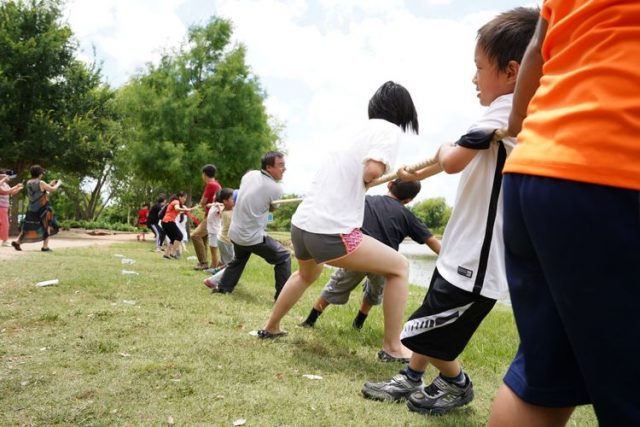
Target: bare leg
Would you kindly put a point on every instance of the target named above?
(45, 243)
(215, 259)
(365, 307)
(373, 256)
(320, 304)
(509, 410)
(292, 290)
(418, 362)
(449, 369)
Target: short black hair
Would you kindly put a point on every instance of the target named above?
(209, 170)
(161, 198)
(269, 159)
(404, 190)
(224, 194)
(506, 37)
(36, 171)
(393, 103)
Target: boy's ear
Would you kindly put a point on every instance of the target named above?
(512, 70)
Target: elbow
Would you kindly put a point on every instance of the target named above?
(452, 167)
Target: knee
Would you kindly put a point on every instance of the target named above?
(402, 268)
(307, 277)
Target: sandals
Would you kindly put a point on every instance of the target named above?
(386, 357)
(266, 335)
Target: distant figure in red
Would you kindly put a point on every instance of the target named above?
(142, 221)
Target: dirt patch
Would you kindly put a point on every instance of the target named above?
(74, 238)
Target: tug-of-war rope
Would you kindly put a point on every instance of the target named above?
(432, 163)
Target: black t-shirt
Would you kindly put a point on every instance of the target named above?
(152, 217)
(386, 219)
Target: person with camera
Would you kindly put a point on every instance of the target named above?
(39, 223)
(6, 191)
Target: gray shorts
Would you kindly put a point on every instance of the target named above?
(323, 247)
(342, 282)
(226, 252)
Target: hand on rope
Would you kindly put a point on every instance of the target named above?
(428, 167)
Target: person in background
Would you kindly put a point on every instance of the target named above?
(39, 223)
(143, 215)
(153, 221)
(199, 235)
(6, 191)
(258, 189)
(174, 208)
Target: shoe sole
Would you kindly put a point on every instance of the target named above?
(381, 396)
(438, 411)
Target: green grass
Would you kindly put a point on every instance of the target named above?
(82, 353)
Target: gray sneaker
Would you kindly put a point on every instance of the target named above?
(393, 390)
(440, 397)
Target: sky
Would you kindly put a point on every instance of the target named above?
(319, 62)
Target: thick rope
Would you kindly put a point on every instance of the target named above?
(497, 136)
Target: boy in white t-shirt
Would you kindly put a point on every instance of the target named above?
(470, 272)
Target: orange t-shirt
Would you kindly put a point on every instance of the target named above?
(583, 123)
(171, 213)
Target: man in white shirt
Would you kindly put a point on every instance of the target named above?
(258, 189)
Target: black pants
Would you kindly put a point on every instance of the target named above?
(269, 250)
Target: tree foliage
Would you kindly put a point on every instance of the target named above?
(434, 213)
(199, 105)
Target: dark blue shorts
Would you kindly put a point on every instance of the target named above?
(573, 266)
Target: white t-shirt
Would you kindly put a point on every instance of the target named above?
(465, 234)
(249, 219)
(334, 203)
(214, 218)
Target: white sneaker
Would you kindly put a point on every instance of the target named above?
(6, 244)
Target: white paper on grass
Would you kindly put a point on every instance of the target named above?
(129, 301)
(128, 261)
(118, 255)
(239, 422)
(312, 377)
(192, 258)
(48, 283)
(253, 333)
(130, 273)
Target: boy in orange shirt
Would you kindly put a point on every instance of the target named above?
(576, 168)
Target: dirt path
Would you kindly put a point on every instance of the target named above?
(70, 239)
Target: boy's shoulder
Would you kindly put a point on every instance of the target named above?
(496, 115)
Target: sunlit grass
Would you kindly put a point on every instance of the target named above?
(103, 348)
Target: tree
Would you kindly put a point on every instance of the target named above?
(199, 105)
(434, 213)
(49, 99)
(282, 215)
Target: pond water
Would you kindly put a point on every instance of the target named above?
(422, 262)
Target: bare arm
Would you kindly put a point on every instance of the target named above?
(454, 158)
(53, 186)
(528, 78)
(373, 169)
(434, 244)
(15, 189)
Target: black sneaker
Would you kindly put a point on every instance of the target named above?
(46, 249)
(16, 246)
(440, 397)
(392, 390)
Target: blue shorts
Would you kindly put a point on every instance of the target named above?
(573, 266)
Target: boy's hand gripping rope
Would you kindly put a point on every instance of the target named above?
(497, 136)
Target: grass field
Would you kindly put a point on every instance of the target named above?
(103, 348)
